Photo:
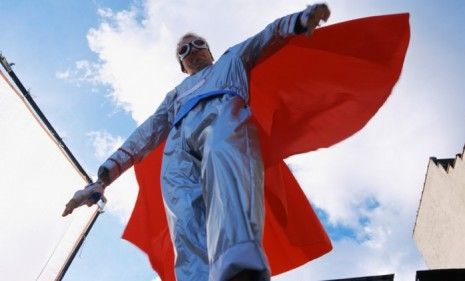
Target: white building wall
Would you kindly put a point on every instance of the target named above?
(440, 227)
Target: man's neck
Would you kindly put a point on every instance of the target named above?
(200, 68)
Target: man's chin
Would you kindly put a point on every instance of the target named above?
(201, 65)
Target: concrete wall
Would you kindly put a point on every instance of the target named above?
(440, 227)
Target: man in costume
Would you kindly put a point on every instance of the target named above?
(212, 171)
(212, 174)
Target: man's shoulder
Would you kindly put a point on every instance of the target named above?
(229, 56)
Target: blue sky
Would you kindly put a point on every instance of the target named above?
(98, 68)
(45, 37)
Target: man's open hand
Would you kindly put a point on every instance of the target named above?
(318, 12)
(87, 196)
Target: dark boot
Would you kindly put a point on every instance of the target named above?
(246, 275)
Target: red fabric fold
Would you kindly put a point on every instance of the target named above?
(311, 93)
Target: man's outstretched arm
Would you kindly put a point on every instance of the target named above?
(143, 140)
(274, 35)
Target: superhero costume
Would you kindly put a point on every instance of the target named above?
(305, 94)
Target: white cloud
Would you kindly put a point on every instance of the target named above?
(105, 12)
(388, 251)
(83, 71)
(104, 143)
(133, 60)
(122, 193)
(63, 75)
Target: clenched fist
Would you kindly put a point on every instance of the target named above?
(313, 15)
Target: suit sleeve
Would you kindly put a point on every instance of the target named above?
(143, 140)
(272, 37)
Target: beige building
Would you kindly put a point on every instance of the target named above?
(440, 226)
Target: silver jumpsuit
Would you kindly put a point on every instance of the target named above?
(212, 171)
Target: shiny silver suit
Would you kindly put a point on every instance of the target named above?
(212, 171)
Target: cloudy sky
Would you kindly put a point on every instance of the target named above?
(98, 68)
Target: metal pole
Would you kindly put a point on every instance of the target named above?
(78, 245)
(42, 117)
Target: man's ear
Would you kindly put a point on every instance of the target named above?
(182, 67)
(213, 59)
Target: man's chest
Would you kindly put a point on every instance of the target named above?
(226, 74)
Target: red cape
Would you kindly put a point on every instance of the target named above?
(311, 93)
